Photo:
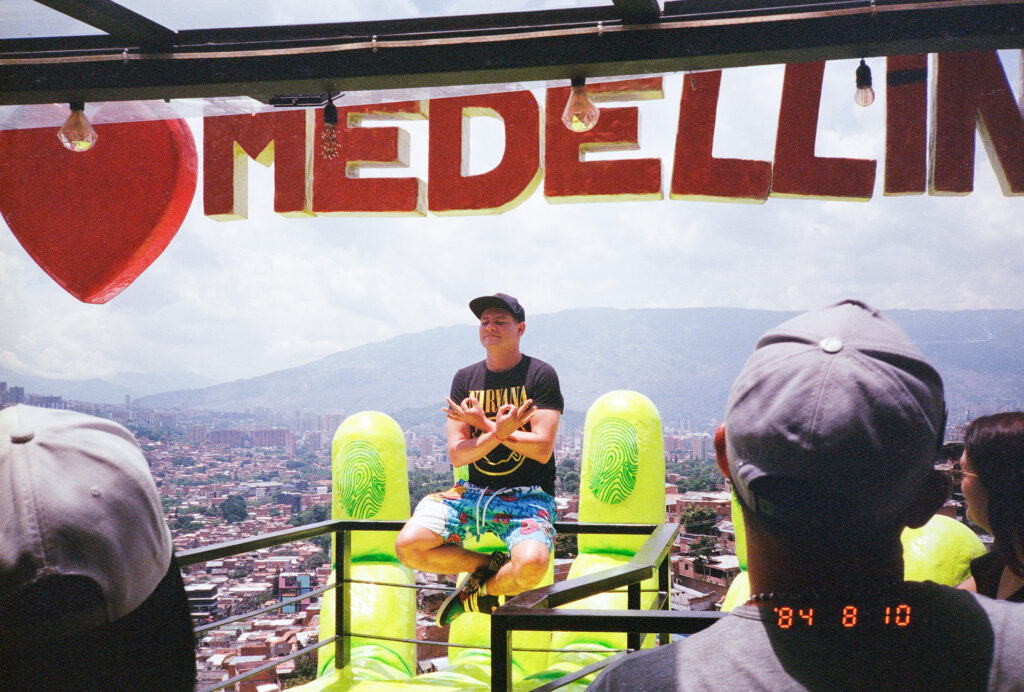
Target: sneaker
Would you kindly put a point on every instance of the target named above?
(458, 603)
(466, 597)
(498, 560)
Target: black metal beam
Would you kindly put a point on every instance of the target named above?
(646, 621)
(638, 11)
(521, 47)
(123, 25)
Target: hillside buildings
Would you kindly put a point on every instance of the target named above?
(275, 470)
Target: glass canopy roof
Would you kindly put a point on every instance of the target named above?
(234, 56)
(30, 19)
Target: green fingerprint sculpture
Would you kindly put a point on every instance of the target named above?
(622, 480)
(616, 459)
(369, 468)
(622, 471)
(363, 483)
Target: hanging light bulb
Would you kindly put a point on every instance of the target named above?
(580, 113)
(77, 134)
(329, 138)
(865, 95)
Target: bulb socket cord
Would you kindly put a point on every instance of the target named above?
(863, 75)
(865, 95)
(330, 112)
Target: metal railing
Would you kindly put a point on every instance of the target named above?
(538, 609)
(342, 612)
(533, 610)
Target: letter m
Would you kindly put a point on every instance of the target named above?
(229, 141)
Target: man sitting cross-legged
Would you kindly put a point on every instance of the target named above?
(503, 415)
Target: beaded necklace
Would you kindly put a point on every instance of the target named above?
(812, 597)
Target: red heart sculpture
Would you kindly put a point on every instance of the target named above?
(95, 220)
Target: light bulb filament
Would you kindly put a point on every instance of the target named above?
(864, 95)
(77, 134)
(580, 114)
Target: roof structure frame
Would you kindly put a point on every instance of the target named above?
(139, 59)
(122, 24)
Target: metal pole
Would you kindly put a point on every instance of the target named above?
(343, 603)
(664, 591)
(633, 639)
(501, 655)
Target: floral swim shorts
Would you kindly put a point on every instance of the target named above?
(512, 514)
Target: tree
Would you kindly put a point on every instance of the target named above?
(314, 514)
(703, 551)
(305, 670)
(183, 524)
(698, 475)
(568, 483)
(565, 545)
(234, 509)
(699, 520)
(314, 561)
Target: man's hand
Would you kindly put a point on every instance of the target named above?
(511, 418)
(469, 412)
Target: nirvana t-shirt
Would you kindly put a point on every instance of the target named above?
(529, 379)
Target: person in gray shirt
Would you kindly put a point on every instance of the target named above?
(830, 435)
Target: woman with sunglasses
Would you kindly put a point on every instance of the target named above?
(992, 468)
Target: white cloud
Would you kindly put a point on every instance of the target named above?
(237, 299)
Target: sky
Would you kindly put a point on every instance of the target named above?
(228, 300)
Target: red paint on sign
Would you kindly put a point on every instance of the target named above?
(513, 180)
(569, 178)
(906, 124)
(971, 90)
(798, 172)
(95, 220)
(697, 175)
(269, 138)
(339, 188)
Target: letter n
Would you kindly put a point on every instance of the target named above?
(971, 90)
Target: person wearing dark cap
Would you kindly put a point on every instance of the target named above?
(830, 435)
(503, 415)
(91, 597)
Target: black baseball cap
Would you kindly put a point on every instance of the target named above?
(499, 300)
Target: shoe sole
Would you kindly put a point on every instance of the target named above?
(460, 587)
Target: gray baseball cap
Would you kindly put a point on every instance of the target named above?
(77, 499)
(834, 420)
